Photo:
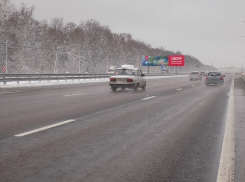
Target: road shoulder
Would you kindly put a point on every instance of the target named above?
(227, 165)
(239, 92)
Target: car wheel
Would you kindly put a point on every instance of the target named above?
(206, 84)
(136, 87)
(123, 88)
(143, 88)
(113, 89)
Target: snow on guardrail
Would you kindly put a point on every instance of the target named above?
(19, 80)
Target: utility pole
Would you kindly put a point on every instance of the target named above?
(83, 66)
(56, 58)
(6, 56)
(56, 64)
(79, 61)
(107, 69)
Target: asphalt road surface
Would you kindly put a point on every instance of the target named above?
(171, 132)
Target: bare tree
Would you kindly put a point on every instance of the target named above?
(55, 47)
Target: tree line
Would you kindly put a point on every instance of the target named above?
(33, 46)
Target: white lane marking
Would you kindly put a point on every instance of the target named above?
(193, 85)
(44, 128)
(179, 88)
(227, 157)
(74, 94)
(10, 92)
(148, 98)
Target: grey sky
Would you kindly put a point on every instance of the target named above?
(205, 29)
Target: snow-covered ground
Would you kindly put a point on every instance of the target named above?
(60, 82)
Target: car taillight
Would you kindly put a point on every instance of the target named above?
(206, 77)
(190, 75)
(221, 78)
(112, 79)
(130, 80)
(199, 76)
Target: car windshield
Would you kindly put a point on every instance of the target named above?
(125, 72)
(194, 73)
(213, 74)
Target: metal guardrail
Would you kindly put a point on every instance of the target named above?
(41, 77)
(68, 76)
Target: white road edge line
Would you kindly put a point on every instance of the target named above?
(148, 98)
(44, 128)
(227, 158)
(179, 88)
(74, 94)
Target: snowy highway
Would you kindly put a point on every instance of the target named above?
(85, 132)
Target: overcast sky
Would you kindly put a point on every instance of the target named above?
(209, 30)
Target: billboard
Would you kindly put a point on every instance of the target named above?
(176, 60)
(154, 60)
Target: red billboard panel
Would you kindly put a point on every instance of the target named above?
(176, 60)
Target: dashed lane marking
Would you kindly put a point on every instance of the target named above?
(44, 128)
(148, 98)
(75, 94)
(9, 92)
(179, 88)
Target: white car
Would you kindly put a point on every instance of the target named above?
(128, 77)
(195, 75)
